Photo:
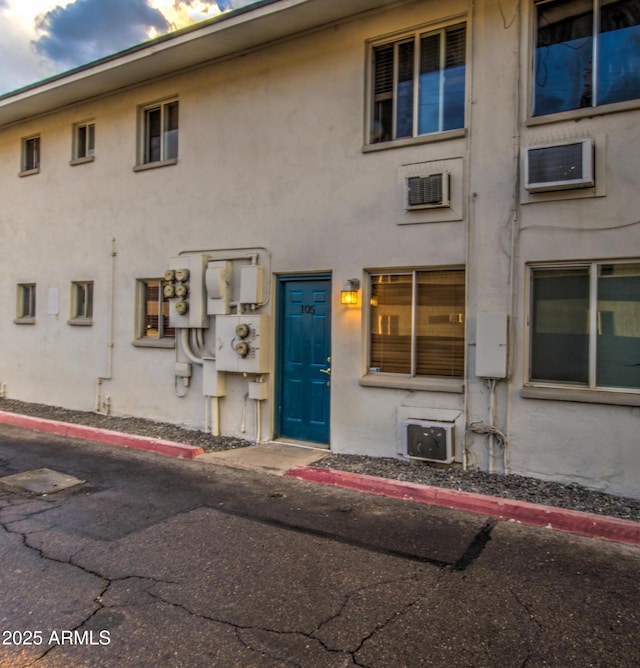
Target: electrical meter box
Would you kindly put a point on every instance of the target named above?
(184, 287)
(243, 343)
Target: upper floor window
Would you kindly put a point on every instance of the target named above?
(30, 159)
(84, 141)
(587, 54)
(160, 132)
(418, 85)
(417, 323)
(585, 325)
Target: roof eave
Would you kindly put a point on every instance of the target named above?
(227, 35)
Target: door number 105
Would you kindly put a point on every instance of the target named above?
(308, 308)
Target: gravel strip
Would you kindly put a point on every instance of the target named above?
(519, 488)
(127, 425)
(571, 496)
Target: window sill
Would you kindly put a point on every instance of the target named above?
(588, 112)
(81, 161)
(154, 343)
(581, 395)
(80, 322)
(143, 167)
(25, 321)
(413, 141)
(29, 172)
(452, 385)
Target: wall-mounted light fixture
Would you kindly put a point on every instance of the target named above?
(349, 294)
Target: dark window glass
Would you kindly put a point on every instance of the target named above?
(560, 325)
(567, 76)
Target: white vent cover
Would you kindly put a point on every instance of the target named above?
(428, 192)
(559, 166)
(428, 441)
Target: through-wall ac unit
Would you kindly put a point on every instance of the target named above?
(560, 166)
(428, 192)
(429, 441)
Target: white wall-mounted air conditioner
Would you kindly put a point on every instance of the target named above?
(559, 166)
(428, 441)
(427, 192)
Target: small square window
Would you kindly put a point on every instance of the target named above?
(159, 133)
(84, 141)
(26, 303)
(30, 159)
(153, 311)
(81, 303)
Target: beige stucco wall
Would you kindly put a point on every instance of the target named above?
(271, 155)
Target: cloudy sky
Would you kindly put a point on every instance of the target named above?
(40, 38)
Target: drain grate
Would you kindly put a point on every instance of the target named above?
(41, 481)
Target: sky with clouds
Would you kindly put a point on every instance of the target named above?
(40, 38)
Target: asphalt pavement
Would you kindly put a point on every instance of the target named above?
(156, 561)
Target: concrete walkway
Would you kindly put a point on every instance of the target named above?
(295, 461)
(273, 458)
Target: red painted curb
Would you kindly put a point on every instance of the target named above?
(156, 445)
(523, 512)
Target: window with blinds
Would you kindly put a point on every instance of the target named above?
(417, 323)
(154, 315)
(419, 84)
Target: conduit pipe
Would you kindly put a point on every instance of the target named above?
(258, 421)
(492, 421)
(212, 405)
(215, 416)
(109, 375)
(186, 347)
(253, 254)
(243, 425)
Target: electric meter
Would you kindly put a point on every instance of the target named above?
(242, 343)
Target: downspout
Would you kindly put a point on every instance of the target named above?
(470, 199)
(515, 238)
(100, 406)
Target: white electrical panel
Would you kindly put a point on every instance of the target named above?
(242, 343)
(218, 284)
(251, 284)
(491, 345)
(184, 287)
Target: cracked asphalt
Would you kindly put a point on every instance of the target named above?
(160, 562)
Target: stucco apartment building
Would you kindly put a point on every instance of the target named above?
(394, 228)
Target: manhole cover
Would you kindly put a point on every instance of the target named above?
(41, 481)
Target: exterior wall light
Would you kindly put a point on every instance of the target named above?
(349, 294)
